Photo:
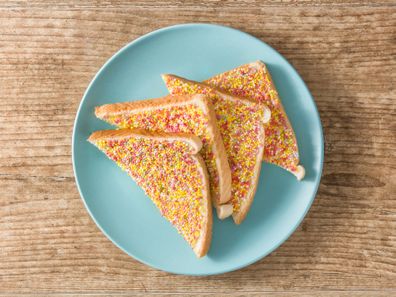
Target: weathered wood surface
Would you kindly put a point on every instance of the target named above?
(344, 50)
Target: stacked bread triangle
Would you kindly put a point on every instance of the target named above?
(202, 146)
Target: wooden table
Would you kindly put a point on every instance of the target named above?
(344, 50)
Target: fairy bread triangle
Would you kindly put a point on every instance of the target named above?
(254, 81)
(241, 123)
(169, 168)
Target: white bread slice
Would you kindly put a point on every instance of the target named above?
(254, 81)
(241, 123)
(186, 114)
(172, 173)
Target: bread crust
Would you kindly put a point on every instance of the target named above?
(142, 105)
(194, 142)
(201, 248)
(220, 152)
(169, 101)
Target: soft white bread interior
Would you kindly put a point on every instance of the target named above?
(300, 173)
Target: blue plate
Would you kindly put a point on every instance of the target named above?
(120, 208)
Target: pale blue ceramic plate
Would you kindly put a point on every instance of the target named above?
(120, 208)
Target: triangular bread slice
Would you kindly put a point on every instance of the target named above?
(254, 81)
(185, 114)
(241, 123)
(169, 168)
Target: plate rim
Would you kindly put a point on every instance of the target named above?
(142, 38)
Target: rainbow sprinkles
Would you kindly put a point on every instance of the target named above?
(241, 123)
(175, 114)
(171, 172)
(254, 81)
(202, 146)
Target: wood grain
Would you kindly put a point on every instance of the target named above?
(344, 50)
(253, 294)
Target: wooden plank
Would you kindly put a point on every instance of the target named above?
(346, 55)
(93, 4)
(253, 294)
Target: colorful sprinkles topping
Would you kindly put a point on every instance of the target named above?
(241, 126)
(254, 81)
(189, 118)
(171, 177)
